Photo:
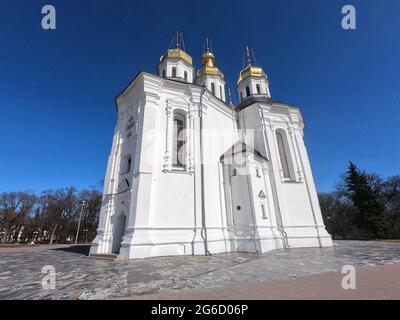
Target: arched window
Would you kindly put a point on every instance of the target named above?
(247, 91)
(220, 92)
(213, 88)
(284, 154)
(241, 96)
(163, 73)
(174, 72)
(126, 164)
(258, 89)
(179, 154)
(185, 75)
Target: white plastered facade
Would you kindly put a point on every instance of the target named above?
(231, 195)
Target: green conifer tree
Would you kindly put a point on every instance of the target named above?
(368, 216)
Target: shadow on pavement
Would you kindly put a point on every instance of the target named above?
(79, 249)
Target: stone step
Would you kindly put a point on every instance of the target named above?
(106, 256)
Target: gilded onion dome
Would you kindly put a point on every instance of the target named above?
(177, 53)
(251, 71)
(208, 61)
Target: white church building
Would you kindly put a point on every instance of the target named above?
(192, 174)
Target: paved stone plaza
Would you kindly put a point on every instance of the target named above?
(78, 277)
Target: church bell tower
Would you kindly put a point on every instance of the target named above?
(252, 80)
(176, 63)
(210, 76)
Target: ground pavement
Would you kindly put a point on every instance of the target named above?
(290, 273)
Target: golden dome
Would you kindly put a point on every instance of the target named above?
(251, 71)
(177, 53)
(208, 61)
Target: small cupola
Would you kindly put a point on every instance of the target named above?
(176, 63)
(252, 79)
(209, 75)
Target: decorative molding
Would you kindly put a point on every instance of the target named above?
(184, 104)
(299, 172)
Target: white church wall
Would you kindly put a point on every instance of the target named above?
(218, 136)
(250, 125)
(181, 67)
(301, 220)
(169, 204)
(252, 83)
(165, 209)
(253, 227)
(173, 188)
(267, 235)
(159, 209)
(116, 200)
(219, 85)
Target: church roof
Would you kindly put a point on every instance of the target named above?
(177, 53)
(258, 98)
(241, 147)
(251, 71)
(245, 102)
(208, 61)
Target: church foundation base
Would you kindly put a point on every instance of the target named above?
(160, 250)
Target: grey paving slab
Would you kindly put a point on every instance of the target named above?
(78, 277)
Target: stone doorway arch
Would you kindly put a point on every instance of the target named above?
(118, 232)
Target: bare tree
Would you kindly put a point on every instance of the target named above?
(15, 209)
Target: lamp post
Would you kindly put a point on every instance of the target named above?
(79, 224)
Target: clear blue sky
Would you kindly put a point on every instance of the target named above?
(57, 88)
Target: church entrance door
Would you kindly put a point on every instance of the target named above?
(118, 232)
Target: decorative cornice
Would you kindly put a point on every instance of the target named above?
(151, 97)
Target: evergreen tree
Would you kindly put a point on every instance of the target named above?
(368, 216)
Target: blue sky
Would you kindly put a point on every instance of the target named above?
(57, 88)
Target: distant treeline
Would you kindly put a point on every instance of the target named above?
(362, 206)
(50, 217)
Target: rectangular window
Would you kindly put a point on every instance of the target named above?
(179, 154)
(213, 88)
(264, 215)
(283, 155)
(129, 164)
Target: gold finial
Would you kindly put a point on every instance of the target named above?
(179, 41)
(251, 69)
(248, 56)
(208, 61)
(178, 51)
